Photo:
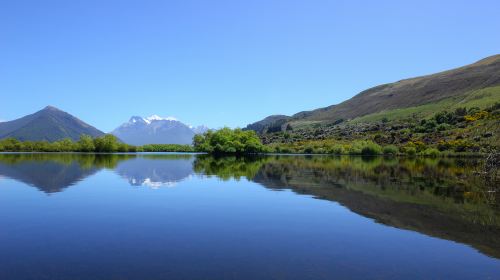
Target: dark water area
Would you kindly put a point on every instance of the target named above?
(182, 216)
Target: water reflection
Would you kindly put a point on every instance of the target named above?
(156, 171)
(437, 197)
(50, 173)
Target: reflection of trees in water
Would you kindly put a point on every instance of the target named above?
(451, 179)
(438, 197)
(85, 161)
(230, 167)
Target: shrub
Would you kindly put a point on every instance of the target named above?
(417, 144)
(390, 150)
(354, 149)
(443, 145)
(337, 150)
(443, 127)
(476, 116)
(411, 151)
(165, 148)
(370, 149)
(365, 148)
(445, 117)
(431, 152)
(459, 145)
(320, 151)
(308, 150)
(430, 125)
(378, 138)
(420, 129)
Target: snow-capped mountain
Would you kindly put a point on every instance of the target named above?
(156, 130)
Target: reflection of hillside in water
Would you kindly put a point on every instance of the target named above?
(52, 173)
(156, 171)
(437, 197)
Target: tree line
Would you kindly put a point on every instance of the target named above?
(223, 141)
(86, 144)
(229, 141)
(104, 144)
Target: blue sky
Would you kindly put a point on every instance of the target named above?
(225, 62)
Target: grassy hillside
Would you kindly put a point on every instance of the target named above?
(455, 111)
(481, 98)
(413, 92)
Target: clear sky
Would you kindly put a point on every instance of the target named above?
(225, 62)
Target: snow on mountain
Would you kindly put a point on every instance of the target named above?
(158, 118)
(156, 130)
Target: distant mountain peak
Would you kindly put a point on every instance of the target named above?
(136, 119)
(50, 108)
(49, 124)
(156, 130)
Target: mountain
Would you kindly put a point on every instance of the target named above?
(156, 130)
(50, 124)
(475, 84)
(265, 125)
(200, 129)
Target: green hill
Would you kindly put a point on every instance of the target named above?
(49, 124)
(472, 85)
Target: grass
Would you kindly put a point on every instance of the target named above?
(479, 98)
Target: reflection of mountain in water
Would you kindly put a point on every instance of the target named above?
(440, 198)
(155, 172)
(47, 175)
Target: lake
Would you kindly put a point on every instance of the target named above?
(182, 216)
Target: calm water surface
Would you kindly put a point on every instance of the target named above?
(168, 216)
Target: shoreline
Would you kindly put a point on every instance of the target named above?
(444, 155)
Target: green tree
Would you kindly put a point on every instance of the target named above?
(106, 144)
(86, 144)
(228, 141)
